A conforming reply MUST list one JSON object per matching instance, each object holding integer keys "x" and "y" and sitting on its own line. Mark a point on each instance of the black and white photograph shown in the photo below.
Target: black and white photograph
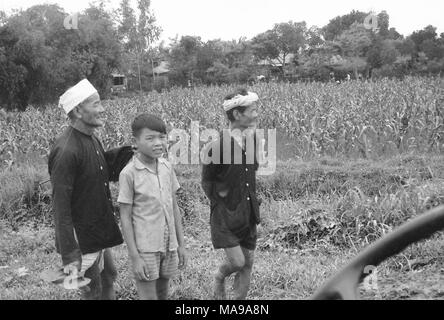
{"x": 239, "y": 152}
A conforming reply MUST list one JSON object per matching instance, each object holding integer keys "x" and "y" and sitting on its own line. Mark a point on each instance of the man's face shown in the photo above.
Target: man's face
{"x": 151, "y": 143}
{"x": 91, "y": 111}
{"x": 248, "y": 119}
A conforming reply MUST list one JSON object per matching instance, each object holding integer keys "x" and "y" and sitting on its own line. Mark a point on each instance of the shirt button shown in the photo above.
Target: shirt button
{"x": 106, "y": 184}
{"x": 247, "y": 184}
{"x": 246, "y": 169}
{"x": 248, "y": 198}
{"x": 97, "y": 152}
{"x": 101, "y": 168}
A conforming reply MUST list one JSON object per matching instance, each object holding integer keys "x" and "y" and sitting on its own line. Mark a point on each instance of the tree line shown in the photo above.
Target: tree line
{"x": 40, "y": 58}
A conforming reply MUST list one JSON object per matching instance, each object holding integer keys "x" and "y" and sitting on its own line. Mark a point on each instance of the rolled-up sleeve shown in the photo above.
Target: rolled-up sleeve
{"x": 62, "y": 170}
{"x": 209, "y": 172}
{"x": 126, "y": 188}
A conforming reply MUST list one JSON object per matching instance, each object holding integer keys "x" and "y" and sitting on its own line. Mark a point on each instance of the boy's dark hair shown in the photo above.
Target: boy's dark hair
{"x": 241, "y": 109}
{"x": 148, "y": 121}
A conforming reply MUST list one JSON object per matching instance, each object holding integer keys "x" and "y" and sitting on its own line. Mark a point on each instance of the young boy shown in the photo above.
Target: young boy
{"x": 151, "y": 221}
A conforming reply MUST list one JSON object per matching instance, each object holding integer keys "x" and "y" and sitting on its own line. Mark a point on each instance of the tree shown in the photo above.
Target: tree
{"x": 138, "y": 35}
{"x": 41, "y": 58}
{"x": 418, "y": 37}
{"x": 340, "y": 24}
{"x": 279, "y": 42}
{"x": 3, "y": 18}
{"x": 383, "y": 24}
{"x": 355, "y": 43}
{"x": 183, "y": 58}
{"x": 433, "y": 49}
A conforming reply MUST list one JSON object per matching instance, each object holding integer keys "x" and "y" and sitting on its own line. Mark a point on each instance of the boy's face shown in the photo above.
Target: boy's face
{"x": 151, "y": 143}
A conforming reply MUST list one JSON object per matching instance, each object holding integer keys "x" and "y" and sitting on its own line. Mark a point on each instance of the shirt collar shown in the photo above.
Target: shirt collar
{"x": 238, "y": 138}
{"x": 140, "y": 165}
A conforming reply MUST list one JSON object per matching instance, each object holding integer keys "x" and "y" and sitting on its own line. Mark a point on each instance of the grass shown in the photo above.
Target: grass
{"x": 316, "y": 216}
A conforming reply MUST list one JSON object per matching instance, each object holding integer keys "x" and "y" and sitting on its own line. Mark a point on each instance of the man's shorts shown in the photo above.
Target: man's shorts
{"x": 89, "y": 259}
{"x": 222, "y": 237}
{"x": 161, "y": 264}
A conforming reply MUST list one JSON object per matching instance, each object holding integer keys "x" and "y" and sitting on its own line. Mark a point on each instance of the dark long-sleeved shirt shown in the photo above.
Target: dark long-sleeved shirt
{"x": 82, "y": 205}
{"x": 238, "y": 180}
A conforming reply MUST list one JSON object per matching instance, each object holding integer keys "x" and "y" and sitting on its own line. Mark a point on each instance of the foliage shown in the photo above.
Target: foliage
{"x": 42, "y": 58}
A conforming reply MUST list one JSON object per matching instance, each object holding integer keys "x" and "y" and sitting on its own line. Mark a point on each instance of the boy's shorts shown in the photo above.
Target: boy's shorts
{"x": 161, "y": 264}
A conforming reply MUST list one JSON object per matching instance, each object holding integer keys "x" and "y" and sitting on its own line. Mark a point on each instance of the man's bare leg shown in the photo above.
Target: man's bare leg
{"x": 234, "y": 261}
{"x": 108, "y": 276}
{"x": 243, "y": 277}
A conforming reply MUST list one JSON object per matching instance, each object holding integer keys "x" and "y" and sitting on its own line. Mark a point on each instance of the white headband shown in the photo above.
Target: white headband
{"x": 240, "y": 101}
{"x": 75, "y": 95}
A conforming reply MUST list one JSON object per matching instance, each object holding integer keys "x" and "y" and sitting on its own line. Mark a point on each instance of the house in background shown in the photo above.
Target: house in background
{"x": 119, "y": 82}
{"x": 160, "y": 73}
{"x": 273, "y": 67}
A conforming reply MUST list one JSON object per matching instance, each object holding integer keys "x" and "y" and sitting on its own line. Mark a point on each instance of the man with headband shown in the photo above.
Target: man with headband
{"x": 80, "y": 170}
{"x": 231, "y": 188}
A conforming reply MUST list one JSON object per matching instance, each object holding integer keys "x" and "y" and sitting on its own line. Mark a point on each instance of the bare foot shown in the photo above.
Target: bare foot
{"x": 236, "y": 281}
{"x": 219, "y": 287}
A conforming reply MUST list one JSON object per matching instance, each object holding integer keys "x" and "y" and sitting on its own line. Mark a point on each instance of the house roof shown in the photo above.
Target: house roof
{"x": 275, "y": 62}
{"x": 161, "y": 68}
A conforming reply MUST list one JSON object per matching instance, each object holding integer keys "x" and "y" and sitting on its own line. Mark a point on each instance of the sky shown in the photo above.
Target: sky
{"x": 232, "y": 19}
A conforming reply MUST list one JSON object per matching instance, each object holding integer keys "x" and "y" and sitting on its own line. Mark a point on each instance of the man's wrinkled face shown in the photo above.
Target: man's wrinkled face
{"x": 248, "y": 119}
{"x": 151, "y": 143}
{"x": 91, "y": 111}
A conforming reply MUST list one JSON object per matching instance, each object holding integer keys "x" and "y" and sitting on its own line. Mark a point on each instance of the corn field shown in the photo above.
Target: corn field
{"x": 356, "y": 119}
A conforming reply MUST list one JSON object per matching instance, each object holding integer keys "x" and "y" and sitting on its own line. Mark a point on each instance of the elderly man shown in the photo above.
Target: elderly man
{"x": 80, "y": 170}
{"x": 231, "y": 187}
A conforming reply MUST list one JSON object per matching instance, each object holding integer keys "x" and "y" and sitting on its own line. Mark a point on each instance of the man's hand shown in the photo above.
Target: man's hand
{"x": 181, "y": 252}
{"x": 223, "y": 193}
{"x": 140, "y": 269}
{"x": 73, "y": 267}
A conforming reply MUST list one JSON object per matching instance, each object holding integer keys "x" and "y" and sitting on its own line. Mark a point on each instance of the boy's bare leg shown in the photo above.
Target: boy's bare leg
{"x": 243, "y": 277}
{"x": 162, "y": 287}
{"x": 146, "y": 289}
{"x": 234, "y": 261}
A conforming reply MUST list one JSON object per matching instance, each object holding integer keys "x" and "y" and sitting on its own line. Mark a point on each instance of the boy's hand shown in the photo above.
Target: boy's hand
{"x": 181, "y": 252}
{"x": 140, "y": 269}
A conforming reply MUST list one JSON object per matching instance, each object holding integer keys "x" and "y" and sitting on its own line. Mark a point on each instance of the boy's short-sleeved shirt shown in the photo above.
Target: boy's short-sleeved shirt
{"x": 151, "y": 197}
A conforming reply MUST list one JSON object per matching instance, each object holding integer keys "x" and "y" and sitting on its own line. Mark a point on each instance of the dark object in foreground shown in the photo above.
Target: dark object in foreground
{"x": 344, "y": 284}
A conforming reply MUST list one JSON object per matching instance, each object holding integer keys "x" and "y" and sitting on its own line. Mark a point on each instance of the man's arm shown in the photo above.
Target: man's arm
{"x": 209, "y": 172}
{"x": 207, "y": 180}
{"x": 62, "y": 170}
{"x": 178, "y": 221}
{"x": 179, "y": 233}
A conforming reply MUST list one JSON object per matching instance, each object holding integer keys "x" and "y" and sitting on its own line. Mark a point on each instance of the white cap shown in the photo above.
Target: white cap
{"x": 75, "y": 95}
